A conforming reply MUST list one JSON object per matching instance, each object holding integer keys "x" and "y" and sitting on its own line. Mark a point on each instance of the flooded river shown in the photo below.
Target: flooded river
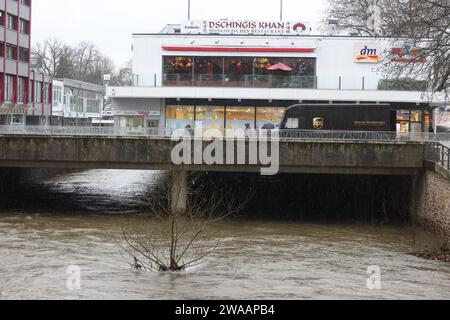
{"x": 78, "y": 223}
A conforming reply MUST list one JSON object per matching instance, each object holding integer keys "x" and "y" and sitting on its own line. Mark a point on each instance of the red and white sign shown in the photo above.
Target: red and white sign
{"x": 246, "y": 27}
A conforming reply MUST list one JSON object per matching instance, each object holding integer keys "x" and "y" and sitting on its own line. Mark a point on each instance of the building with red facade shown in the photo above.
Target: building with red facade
{"x": 25, "y": 94}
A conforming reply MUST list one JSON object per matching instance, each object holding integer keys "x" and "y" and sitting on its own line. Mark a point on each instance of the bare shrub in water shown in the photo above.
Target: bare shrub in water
{"x": 175, "y": 237}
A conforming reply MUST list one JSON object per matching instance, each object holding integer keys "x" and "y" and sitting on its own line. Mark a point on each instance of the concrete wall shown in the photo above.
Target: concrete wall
{"x": 434, "y": 208}
{"x": 84, "y": 152}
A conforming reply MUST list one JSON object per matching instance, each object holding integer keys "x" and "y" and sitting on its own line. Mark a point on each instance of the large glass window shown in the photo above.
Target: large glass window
{"x": 131, "y": 122}
{"x": 238, "y": 72}
{"x": 179, "y": 117}
{"x": 211, "y": 117}
{"x": 270, "y": 72}
{"x": 241, "y": 118}
{"x": 267, "y": 118}
{"x": 178, "y": 71}
{"x": 208, "y": 71}
{"x": 222, "y": 117}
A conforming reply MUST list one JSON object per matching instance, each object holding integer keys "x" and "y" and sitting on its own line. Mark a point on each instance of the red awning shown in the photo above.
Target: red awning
{"x": 239, "y": 49}
{"x": 280, "y": 66}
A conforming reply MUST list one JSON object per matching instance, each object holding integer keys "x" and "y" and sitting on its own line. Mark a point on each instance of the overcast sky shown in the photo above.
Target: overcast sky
{"x": 110, "y": 23}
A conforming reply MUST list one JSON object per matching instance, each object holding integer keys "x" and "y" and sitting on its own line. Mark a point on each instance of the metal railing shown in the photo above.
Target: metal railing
{"x": 283, "y": 134}
{"x": 438, "y": 153}
{"x": 83, "y": 131}
{"x": 322, "y": 82}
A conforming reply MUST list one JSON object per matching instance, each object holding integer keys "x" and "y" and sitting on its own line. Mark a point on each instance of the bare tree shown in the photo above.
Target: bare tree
{"x": 125, "y": 75}
{"x": 54, "y": 58}
{"x": 84, "y": 62}
{"x": 176, "y": 236}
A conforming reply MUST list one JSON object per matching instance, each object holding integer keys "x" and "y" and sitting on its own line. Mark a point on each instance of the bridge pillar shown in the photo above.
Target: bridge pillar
{"x": 179, "y": 196}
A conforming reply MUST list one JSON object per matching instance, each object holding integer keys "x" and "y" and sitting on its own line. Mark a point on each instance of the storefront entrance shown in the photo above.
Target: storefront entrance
{"x": 413, "y": 121}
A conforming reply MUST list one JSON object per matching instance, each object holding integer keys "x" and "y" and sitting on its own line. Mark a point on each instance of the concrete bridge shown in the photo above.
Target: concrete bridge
{"x": 425, "y": 160}
{"x": 154, "y": 153}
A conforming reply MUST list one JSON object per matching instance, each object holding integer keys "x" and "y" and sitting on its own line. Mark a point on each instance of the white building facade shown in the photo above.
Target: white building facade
{"x": 76, "y": 103}
{"x": 230, "y": 74}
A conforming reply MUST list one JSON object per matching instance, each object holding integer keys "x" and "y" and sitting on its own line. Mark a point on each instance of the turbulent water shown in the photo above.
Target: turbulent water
{"x": 76, "y": 219}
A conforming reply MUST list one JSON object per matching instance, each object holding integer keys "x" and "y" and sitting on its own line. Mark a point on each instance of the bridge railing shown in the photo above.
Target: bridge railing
{"x": 84, "y": 131}
{"x": 283, "y": 134}
{"x": 438, "y": 153}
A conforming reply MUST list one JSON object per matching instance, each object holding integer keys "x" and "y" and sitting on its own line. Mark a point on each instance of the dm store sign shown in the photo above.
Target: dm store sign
{"x": 367, "y": 53}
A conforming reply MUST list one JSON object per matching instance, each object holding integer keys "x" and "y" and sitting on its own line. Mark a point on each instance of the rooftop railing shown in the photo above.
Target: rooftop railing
{"x": 283, "y": 134}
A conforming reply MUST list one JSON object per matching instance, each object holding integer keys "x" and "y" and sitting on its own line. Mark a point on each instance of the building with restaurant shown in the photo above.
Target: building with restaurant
{"x": 231, "y": 74}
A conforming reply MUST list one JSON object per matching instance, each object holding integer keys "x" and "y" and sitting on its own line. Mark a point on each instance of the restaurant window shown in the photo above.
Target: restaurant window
{"x": 178, "y": 117}
{"x": 238, "y": 71}
{"x": 239, "y": 117}
{"x": 211, "y": 117}
{"x": 208, "y": 71}
{"x": 178, "y": 70}
{"x": 267, "y": 118}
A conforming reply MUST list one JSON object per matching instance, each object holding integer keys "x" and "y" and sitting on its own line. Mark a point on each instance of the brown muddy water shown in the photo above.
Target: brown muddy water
{"x": 76, "y": 219}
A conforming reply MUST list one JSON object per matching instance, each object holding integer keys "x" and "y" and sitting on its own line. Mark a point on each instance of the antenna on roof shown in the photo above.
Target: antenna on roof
{"x": 281, "y": 10}
{"x": 189, "y": 10}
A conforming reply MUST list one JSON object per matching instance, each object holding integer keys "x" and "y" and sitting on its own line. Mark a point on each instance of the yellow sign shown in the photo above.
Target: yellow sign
{"x": 318, "y": 123}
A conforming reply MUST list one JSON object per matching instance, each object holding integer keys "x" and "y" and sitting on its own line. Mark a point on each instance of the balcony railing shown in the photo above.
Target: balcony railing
{"x": 243, "y": 81}
{"x": 438, "y": 152}
{"x": 278, "y": 81}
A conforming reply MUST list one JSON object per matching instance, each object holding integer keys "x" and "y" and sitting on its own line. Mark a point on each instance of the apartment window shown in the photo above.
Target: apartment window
{"x": 2, "y": 18}
{"x": 12, "y": 22}
{"x": 9, "y": 88}
{"x": 23, "y": 54}
{"x": 22, "y": 89}
{"x": 38, "y": 91}
{"x": 24, "y": 26}
{"x": 2, "y": 49}
{"x": 46, "y": 92}
{"x": 25, "y": 2}
{"x": 11, "y": 52}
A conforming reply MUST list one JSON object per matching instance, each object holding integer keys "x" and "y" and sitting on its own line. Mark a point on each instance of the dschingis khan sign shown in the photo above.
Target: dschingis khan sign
{"x": 246, "y": 27}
